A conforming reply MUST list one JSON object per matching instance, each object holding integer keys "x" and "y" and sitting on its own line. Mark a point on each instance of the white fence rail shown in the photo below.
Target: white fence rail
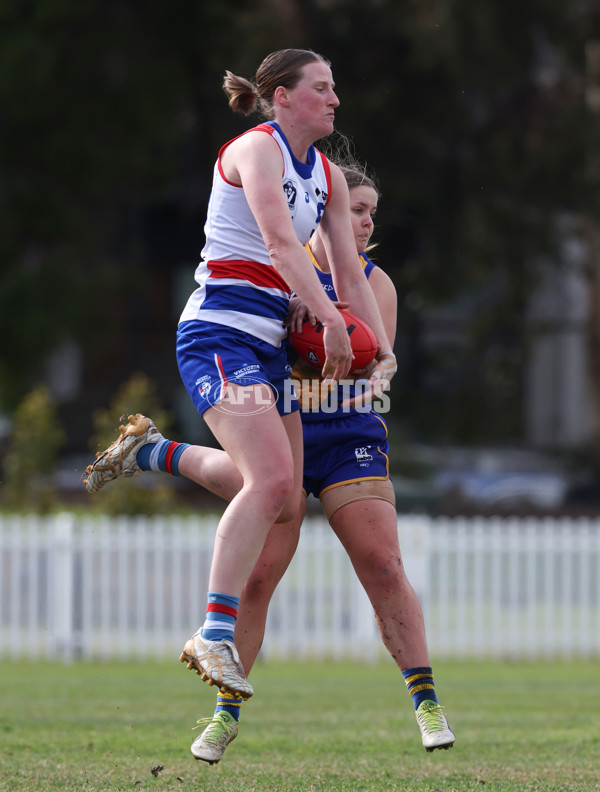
{"x": 113, "y": 588}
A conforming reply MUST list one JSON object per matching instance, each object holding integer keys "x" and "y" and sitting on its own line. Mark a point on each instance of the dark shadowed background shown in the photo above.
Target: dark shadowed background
{"x": 481, "y": 121}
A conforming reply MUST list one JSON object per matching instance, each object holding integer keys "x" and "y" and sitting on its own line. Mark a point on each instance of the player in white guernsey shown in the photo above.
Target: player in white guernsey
{"x": 239, "y": 285}
{"x": 271, "y": 189}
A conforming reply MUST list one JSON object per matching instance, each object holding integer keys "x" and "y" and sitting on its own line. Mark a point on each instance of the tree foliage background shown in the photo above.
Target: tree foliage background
{"x": 480, "y": 120}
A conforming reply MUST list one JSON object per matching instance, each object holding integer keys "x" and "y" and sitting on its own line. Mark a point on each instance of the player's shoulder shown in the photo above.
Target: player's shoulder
{"x": 366, "y": 261}
{"x": 257, "y": 137}
{"x": 336, "y": 173}
{"x": 254, "y": 146}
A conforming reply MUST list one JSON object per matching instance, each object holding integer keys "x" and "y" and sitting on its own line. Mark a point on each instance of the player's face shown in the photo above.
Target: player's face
{"x": 363, "y": 205}
{"x": 314, "y": 100}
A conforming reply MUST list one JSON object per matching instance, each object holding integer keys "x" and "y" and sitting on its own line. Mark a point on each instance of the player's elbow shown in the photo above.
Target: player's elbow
{"x": 349, "y": 287}
{"x": 280, "y": 253}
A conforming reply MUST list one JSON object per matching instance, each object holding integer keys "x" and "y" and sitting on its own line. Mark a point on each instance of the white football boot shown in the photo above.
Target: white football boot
{"x": 210, "y": 746}
{"x": 218, "y": 663}
{"x": 435, "y": 732}
{"x": 119, "y": 459}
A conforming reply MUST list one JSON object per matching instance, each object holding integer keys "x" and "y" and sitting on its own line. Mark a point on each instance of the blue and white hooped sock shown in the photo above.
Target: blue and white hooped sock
{"x": 162, "y": 456}
{"x": 221, "y": 613}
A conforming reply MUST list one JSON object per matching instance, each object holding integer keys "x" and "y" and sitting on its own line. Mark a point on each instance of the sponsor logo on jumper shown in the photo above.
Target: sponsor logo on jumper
{"x": 250, "y": 369}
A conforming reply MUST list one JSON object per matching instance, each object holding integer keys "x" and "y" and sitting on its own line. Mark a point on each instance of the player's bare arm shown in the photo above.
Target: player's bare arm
{"x": 348, "y": 276}
{"x": 387, "y": 301}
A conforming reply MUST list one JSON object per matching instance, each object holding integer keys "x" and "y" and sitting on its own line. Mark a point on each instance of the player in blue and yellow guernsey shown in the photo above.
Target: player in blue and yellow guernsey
{"x": 342, "y": 445}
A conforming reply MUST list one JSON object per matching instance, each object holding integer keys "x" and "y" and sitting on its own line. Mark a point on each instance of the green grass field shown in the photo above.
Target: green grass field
{"x": 315, "y": 728}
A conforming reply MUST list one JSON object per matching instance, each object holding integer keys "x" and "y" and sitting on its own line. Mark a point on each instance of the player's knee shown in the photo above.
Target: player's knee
{"x": 386, "y": 565}
{"x": 384, "y": 572}
{"x": 260, "y": 586}
{"x": 278, "y": 488}
{"x": 282, "y": 489}
{"x": 291, "y": 508}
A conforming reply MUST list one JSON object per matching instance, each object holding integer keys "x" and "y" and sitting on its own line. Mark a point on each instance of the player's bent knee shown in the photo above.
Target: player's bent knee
{"x": 277, "y": 487}
{"x": 289, "y": 510}
{"x": 259, "y": 588}
{"x": 367, "y": 489}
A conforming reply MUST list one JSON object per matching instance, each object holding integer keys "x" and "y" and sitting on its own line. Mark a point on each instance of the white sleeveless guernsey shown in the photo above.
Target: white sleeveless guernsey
{"x": 238, "y": 285}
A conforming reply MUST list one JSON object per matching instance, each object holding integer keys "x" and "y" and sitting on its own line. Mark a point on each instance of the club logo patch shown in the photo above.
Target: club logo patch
{"x": 291, "y": 193}
{"x": 205, "y": 389}
{"x": 362, "y": 454}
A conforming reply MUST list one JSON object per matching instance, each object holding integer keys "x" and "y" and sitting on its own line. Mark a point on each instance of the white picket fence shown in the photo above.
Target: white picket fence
{"x": 97, "y": 587}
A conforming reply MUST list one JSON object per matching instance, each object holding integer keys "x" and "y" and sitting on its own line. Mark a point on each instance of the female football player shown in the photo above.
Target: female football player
{"x": 271, "y": 189}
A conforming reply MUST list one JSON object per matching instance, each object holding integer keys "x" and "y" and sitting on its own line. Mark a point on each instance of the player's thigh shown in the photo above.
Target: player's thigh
{"x": 256, "y": 440}
{"x": 338, "y": 496}
{"x": 368, "y": 530}
{"x": 234, "y": 380}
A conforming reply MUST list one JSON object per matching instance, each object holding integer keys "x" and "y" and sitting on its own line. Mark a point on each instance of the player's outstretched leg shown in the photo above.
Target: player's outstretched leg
{"x": 119, "y": 459}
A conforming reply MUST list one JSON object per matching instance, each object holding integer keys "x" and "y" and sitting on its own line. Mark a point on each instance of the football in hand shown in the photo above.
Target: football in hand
{"x": 309, "y": 343}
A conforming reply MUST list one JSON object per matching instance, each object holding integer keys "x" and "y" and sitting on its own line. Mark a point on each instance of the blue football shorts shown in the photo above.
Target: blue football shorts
{"x": 211, "y": 356}
{"x": 343, "y": 450}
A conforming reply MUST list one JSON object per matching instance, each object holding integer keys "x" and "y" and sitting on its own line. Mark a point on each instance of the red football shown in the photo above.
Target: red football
{"x": 309, "y": 343}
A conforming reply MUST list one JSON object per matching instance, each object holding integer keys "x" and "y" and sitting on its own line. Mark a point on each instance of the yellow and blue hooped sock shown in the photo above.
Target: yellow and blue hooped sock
{"x": 162, "y": 456}
{"x": 419, "y": 682}
{"x": 228, "y": 702}
{"x": 221, "y": 613}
